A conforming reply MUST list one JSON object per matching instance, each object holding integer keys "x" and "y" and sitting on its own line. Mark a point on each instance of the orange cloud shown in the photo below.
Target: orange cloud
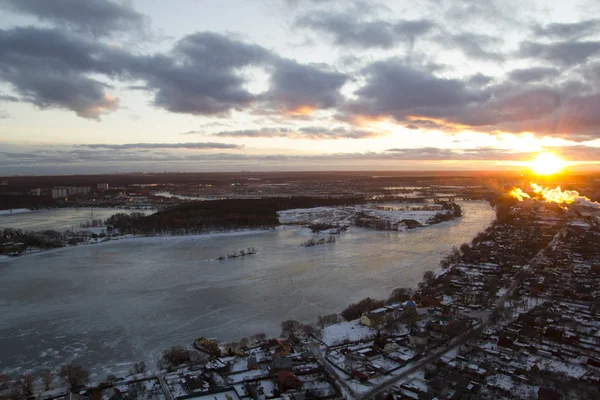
{"x": 300, "y": 111}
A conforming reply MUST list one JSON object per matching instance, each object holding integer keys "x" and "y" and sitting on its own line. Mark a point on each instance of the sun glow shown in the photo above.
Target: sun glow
{"x": 547, "y": 164}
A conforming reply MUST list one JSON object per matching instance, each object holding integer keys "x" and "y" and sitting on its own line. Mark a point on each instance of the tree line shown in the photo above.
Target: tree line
{"x": 227, "y": 214}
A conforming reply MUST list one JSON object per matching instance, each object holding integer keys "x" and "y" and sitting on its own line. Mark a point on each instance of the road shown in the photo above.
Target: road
{"x": 163, "y": 385}
{"x": 331, "y": 369}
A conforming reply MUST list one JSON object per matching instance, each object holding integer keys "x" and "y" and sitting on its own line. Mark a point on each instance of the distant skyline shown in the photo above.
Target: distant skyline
{"x": 101, "y": 86}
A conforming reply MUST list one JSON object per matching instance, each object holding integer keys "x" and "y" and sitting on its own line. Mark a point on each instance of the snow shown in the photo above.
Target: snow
{"x": 14, "y": 211}
{"x": 344, "y": 215}
{"x": 251, "y": 374}
{"x": 352, "y": 330}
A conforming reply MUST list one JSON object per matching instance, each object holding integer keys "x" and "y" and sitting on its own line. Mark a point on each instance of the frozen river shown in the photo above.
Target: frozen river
{"x": 109, "y": 304}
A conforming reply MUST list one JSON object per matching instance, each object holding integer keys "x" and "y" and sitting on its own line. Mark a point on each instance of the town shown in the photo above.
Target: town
{"x": 512, "y": 314}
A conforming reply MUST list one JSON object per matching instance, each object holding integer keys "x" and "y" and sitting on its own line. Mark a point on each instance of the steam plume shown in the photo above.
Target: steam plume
{"x": 555, "y": 196}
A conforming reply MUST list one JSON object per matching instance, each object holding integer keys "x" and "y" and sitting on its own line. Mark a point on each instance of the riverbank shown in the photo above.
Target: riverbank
{"x": 379, "y": 218}
{"x": 12, "y": 211}
{"x": 129, "y": 237}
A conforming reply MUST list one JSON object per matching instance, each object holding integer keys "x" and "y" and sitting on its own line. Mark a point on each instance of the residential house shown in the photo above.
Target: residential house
{"x": 385, "y": 345}
{"x": 419, "y": 338}
{"x": 288, "y": 381}
{"x": 279, "y": 348}
{"x": 374, "y": 319}
{"x": 470, "y": 297}
{"x": 370, "y": 354}
{"x": 547, "y": 394}
{"x": 281, "y": 363}
{"x": 360, "y": 376}
{"x": 252, "y": 363}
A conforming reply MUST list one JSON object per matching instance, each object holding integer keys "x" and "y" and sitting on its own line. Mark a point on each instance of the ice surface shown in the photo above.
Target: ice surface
{"x": 128, "y": 300}
{"x": 14, "y": 211}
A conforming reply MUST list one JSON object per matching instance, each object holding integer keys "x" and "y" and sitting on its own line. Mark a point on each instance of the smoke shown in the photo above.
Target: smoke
{"x": 555, "y": 196}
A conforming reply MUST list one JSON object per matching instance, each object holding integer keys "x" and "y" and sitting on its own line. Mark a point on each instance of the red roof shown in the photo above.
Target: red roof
{"x": 359, "y": 375}
{"x": 547, "y": 394}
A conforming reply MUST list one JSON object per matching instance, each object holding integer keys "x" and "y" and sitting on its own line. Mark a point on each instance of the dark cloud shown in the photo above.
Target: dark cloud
{"x": 575, "y": 30}
{"x": 534, "y": 74}
{"x": 311, "y": 133}
{"x": 436, "y": 153}
{"x": 578, "y": 153}
{"x": 567, "y": 53}
{"x": 97, "y": 17}
{"x": 201, "y": 75}
{"x": 494, "y": 12}
{"x": 8, "y": 99}
{"x": 395, "y": 89}
{"x": 301, "y": 88}
{"x": 476, "y": 46}
{"x": 418, "y": 98}
{"x": 347, "y": 30}
{"x": 591, "y": 72}
{"x": 195, "y": 146}
{"x": 48, "y": 68}
{"x": 479, "y": 80}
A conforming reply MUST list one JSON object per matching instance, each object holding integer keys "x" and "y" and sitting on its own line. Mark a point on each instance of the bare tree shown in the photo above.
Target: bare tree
{"x": 16, "y": 391}
{"x": 26, "y": 381}
{"x": 308, "y": 330}
{"x": 428, "y": 277}
{"x": 137, "y": 390}
{"x": 75, "y": 375}
{"x": 260, "y": 337}
{"x": 47, "y": 378}
{"x": 290, "y": 328}
{"x": 175, "y": 356}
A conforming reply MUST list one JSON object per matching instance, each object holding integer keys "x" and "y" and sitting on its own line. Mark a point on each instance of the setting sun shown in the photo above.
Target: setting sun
{"x": 547, "y": 164}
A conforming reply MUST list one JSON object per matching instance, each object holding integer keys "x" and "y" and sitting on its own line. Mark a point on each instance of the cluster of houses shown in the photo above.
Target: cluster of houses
{"x": 545, "y": 344}
{"x": 275, "y": 369}
{"x": 271, "y": 369}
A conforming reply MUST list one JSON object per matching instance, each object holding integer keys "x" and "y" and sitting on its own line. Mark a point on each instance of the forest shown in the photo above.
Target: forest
{"x": 221, "y": 215}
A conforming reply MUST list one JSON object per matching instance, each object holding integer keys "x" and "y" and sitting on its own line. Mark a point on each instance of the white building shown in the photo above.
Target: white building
{"x": 58, "y": 192}
{"x": 64, "y": 191}
{"x": 102, "y": 186}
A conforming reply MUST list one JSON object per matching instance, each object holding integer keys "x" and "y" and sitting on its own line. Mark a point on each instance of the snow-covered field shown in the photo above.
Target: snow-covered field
{"x": 351, "y": 330}
{"x": 344, "y": 215}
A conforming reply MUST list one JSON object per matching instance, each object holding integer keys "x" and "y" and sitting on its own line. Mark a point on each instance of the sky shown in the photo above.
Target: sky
{"x": 102, "y": 86}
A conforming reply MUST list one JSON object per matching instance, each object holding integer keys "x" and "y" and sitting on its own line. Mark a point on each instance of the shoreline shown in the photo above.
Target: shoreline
{"x": 284, "y": 225}
{"x": 4, "y": 258}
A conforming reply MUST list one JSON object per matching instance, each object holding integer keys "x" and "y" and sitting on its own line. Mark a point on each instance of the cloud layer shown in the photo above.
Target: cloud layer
{"x": 439, "y": 66}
